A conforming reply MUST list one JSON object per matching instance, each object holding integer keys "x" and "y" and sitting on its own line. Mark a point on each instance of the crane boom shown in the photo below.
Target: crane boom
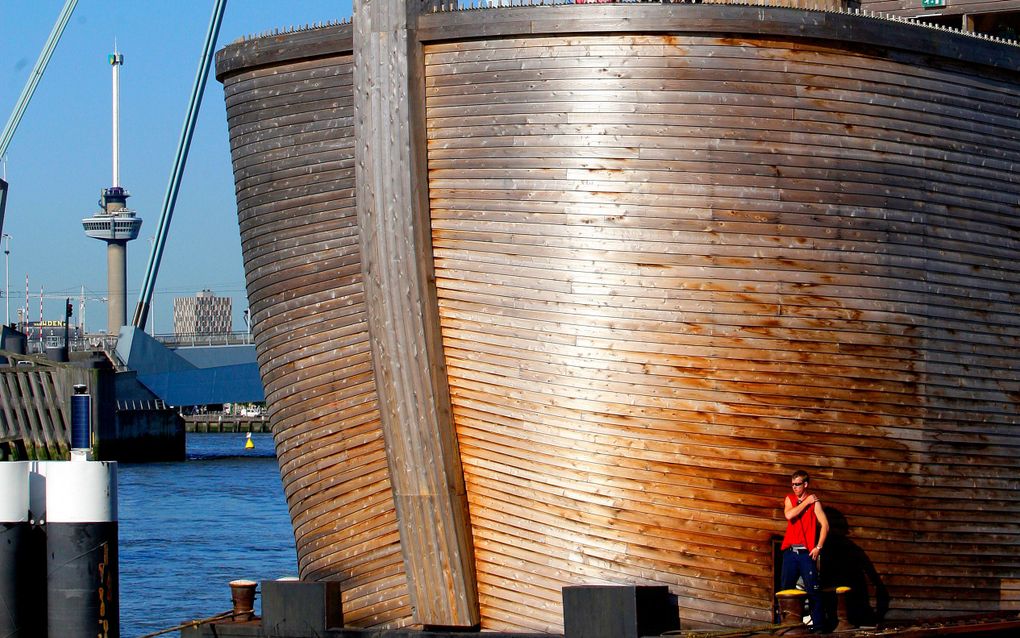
{"x": 29, "y": 90}
{"x": 141, "y": 315}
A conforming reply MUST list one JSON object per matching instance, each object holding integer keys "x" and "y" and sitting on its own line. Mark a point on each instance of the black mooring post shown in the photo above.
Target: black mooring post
{"x": 19, "y": 560}
{"x": 82, "y": 587}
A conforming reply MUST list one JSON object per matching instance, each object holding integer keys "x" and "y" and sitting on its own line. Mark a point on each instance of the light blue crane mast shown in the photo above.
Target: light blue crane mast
{"x": 141, "y": 315}
{"x": 29, "y": 90}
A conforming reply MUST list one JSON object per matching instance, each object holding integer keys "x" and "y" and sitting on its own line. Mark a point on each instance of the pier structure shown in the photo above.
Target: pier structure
{"x": 115, "y": 223}
{"x": 219, "y": 423}
{"x": 136, "y": 407}
{"x": 129, "y": 422}
{"x": 559, "y": 295}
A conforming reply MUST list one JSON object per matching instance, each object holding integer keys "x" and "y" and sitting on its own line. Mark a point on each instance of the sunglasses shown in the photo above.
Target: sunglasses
{"x": 799, "y": 484}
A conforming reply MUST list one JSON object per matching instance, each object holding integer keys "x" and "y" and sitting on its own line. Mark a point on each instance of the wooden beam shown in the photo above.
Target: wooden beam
{"x": 393, "y": 218}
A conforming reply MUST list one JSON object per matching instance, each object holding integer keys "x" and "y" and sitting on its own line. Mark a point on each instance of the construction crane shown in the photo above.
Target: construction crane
{"x": 170, "y": 198}
{"x": 82, "y": 298}
{"x": 28, "y": 91}
{"x": 141, "y": 315}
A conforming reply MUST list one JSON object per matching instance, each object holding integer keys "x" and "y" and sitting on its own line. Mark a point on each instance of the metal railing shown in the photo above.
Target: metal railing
{"x": 108, "y": 342}
{"x": 194, "y": 340}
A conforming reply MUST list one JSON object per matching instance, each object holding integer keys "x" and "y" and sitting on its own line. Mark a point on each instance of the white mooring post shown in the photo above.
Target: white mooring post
{"x": 81, "y": 549}
{"x": 16, "y": 558}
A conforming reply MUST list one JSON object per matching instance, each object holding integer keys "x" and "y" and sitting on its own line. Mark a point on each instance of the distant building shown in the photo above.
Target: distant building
{"x": 203, "y": 314}
{"x": 48, "y": 334}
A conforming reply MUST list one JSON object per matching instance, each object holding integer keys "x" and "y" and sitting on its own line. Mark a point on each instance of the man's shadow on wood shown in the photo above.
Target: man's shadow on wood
{"x": 845, "y": 564}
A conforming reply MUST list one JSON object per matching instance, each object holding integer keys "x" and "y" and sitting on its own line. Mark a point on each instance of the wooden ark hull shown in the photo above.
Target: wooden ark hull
{"x": 670, "y": 253}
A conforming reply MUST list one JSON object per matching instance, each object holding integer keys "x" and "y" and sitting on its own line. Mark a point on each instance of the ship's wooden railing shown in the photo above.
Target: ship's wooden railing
{"x": 831, "y": 5}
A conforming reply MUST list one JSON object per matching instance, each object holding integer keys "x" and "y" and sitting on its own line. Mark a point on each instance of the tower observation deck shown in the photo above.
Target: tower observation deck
{"x": 114, "y": 223}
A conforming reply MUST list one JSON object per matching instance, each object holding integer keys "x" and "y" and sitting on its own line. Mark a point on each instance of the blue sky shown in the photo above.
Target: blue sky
{"x": 60, "y": 157}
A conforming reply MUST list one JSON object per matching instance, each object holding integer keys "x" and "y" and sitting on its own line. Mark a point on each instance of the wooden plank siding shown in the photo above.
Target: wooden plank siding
{"x": 678, "y": 251}
{"x": 291, "y": 122}
{"x": 672, "y": 269}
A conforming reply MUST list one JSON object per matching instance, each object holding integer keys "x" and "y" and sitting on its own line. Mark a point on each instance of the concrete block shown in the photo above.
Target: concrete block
{"x": 618, "y": 611}
{"x": 297, "y": 609}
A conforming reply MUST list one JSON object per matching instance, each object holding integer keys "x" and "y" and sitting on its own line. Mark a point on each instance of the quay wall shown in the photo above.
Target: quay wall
{"x": 215, "y": 423}
{"x": 674, "y": 252}
{"x": 35, "y": 408}
{"x": 128, "y": 423}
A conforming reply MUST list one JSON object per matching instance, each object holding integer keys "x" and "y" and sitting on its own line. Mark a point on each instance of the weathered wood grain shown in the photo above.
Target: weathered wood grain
{"x": 678, "y": 251}
{"x": 667, "y": 282}
{"x": 421, "y": 445}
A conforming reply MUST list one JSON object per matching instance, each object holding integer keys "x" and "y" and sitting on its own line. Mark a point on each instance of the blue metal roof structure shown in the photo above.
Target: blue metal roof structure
{"x": 192, "y": 376}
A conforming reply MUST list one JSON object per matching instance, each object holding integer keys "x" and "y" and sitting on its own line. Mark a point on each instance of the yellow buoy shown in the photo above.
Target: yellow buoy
{"x": 249, "y": 444}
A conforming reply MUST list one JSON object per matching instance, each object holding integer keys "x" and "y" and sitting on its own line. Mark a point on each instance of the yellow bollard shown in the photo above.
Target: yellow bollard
{"x": 791, "y": 611}
{"x": 844, "y": 624}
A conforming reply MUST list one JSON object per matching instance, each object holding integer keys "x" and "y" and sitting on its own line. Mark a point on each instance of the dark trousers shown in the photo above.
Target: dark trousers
{"x": 799, "y": 564}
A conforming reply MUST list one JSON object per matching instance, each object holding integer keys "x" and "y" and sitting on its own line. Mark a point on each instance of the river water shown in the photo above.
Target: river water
{"x": 188, "y": 528}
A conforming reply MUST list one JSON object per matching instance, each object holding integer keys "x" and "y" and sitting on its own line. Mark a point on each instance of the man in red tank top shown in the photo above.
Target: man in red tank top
{"x": 806, "y": 529}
